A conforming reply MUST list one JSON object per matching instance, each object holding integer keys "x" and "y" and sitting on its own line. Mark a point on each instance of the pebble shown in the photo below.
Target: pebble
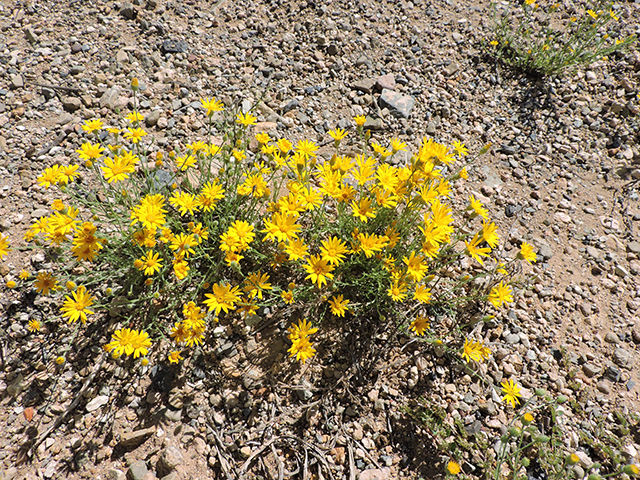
{"x": 98, "y": 402}
{"x": 622, "y": 357}
{"x": 138, "y": 470}
{"x": 169, "y": 459}
{"x": 375, "y": 474}
{"x": 399, "y": 105}
{"x": 136, "y": 437}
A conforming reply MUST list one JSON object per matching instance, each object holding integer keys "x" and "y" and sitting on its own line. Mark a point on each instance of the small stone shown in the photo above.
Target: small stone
{"x": 431, "y": 128}
{"x": 31, "y": 35}
{"x": 633, "y": 247}
{"x": 110, "y": 98}
{"x": 174, "y": 46}
{"x": 245, "y": 452}
{"x": 97, "y": 403}
{"x": 604, "y": 386}
{"x": 136, "y": 437}
{"x": 611, "y": 337}
{"x": 562, "y": 217}
{"x": 128, "y": 11}
{"x": 622, "y": 357}
{"x": 115, "y": 474}
{"x": 513, "y": 338}
{"x": 590, "y": 370}
{"x": 398, "y": 104}
{"x": 387, "y": 81}
{"x": 17, "y": 81}
{"x": 376, "y": 474}
{"x": 137, "y": 470}
{"x": 122, "y": 56}
{"x": 152, "y": 118}
{"x": 365, "y": 85}
{"x": 169, "y": 459}
{"x": 452, "y": 68}
{"x": 71, "y": 104}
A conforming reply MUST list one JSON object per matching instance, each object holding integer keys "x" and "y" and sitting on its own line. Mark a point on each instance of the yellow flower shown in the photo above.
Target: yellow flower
{"x": 245, "y": 119}
{"x": 303, "y": 329}
{"x": 180, "y": 269}
{"x": 420, "y": 325}
{"x": 34, "y": 325}
{"x": 527, "y": 253}
{"x": 134, "y": 117}
{"x": 416, "y": 266}
{"x": 150, "y": 212}
{"x": 210, "y": 194}
{"x": 117, "y": 169}
{"x": 318, "y": 269}
{"x": 613, "y": 15}
{"x": 337, "y": 134}
{"x": 256, "y": 283}
{"x": 185, "y": 162}
{"x": 24, "y": 275}
{"x": 211, "y": 105}
{"x": 287, "y": 296}
{"x": 4, "y": 246}
{"x": 338, "y": 305}
{"x": 475, "y": 251}
{"x": 593, "y": 14}
{"x": 296, "y": 249}
{"x": 397, "y": 291}
{"x": 474, "y": 350}
{"x": 363, "y": 210}
{"x": 11, "y": 284}
{"x": 306, "y": 148}
{"x": 224, "y": 298}
{"x": 284, "y": 145}
{"x": 489, "y": 234}
{"x": 45, "y": 282}
{"x": 422, "y": 294}
{"x": 135, "y": 134}
{"x": 302, "y": 349}
{"x": 150, "y": 263}
{"x": 184, "y": 202}
{"x": 70, "y": 285}
{"x": 459, "y": 148}
{"x": 453, "y": 468}
{"x": 333, "y": 250}
{"x": 51, "y": 176}
{"x": 92, "y": 125}
{"x": 174, "y": 357}
{"x": 500, "y": 294}
{"x": 281, "y": 227}
{"x": 60, "y": 360}
{"x": 77, "y": 307}
{"x": 89, "y": 151}
{"x": 511, "y": 391}
{"x": 397, "y": 145}
{"x": 493, "y": 43}
{"x": 360, "y": 120}
{"x": 477, "y": 208}
{"x": 127, "y": 341}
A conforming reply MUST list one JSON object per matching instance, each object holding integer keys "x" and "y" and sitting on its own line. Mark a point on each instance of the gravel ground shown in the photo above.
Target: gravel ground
{"x": 562, "y": 174}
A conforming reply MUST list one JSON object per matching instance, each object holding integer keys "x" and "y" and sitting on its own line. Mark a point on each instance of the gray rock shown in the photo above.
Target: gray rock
{"x": 604, "y": 386}
{"x": 513, "y": 338}
{"x": 110, "y": 98}
{"x": 71, "y": 104}
{"x": 365, "y": 85}
{"x": 137, "y": 470}
{"x": 376, "y": 474}
{"x": 633, "y": 247}
{"x": 398, "y": 104}
{"x": 431, "y": 128}
{"x": 169, "y": 459}
{"x": 115, "y": 474}
{"x": 122, "y": 56}
{"x": 31, "y": 35}
{"x": 128, "y": 11}
{"x": 152, "y": 118}
{"x": 373, "y": 123}
{"x": 174, "y": 46}
{"x": 137, "y": 437}
{"x": 387, "y": 81}
{"x": 622, "y": 357}
{"x": 452, "y": 68}
{"x": 98, "y": 402}
{"x": 64, "y": 118}
{"x": 173, "y": 415}
{"x": 590, "y": 370}
{"x": 17, "y": 81}
{"x": 611, "y": 337}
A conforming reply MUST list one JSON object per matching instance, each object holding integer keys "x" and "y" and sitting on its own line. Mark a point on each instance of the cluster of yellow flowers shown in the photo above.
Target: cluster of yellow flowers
{"x": 323, "y": 221}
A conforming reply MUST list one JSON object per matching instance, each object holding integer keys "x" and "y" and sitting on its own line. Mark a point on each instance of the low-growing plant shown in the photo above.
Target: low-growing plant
{"x": 166, "y": 242}
{"x": 555, "y": 39}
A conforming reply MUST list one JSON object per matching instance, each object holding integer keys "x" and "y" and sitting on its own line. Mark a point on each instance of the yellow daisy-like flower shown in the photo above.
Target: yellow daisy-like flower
{"x": 92, "y": 125}
{"x": 117, "y": 169}
{"x": 500, "y": 294}
{"x": 150, "y": 263}
{"x": 420, "y": 325}
{"x": 185, "y": 162}
{"x": 333, "y": 250}
{"x": 453, "y": 468}
{"x": 478, "y": 208}
{"x": 174, "y": 357}
{"x": 134, "y": 117}
{"x": 459, "y": 148}
{"x": 306, "y": 149}
{"x": 24, "y": 275}
{"x": 302, "y": 349}
{"x": 511, "y": 391}
{"x": 88, "y": 151}
{"x": 474, "y": 350}
{"x": 224, "y": 298}
{"x": 135, "y": 134}
{"x": 526, "y": 253}
{"x": 363, "y": 210}
{"x": 287, "y": 296}
{"x": 45, "y": 282}
{"x": 339, "y": 305}
{"x": 51, "y": 176}
{"x": 360, "y": 120}
{"x": 319, "y": 270}
{"x": 246, "y": 119}
{"x": 34, "y": 326}
{"x": 397, "y": 291}
{"x": 296, "y": 249}
{"x": 211, "y": 105}
{"x": 11, "y": 284}
{"x": 256, "y": 283}
{"x": 476, "y": 252}
{"x": 338, "y": 134}
{"x": 77, "y": 307}
{"x": 4, "y": 246}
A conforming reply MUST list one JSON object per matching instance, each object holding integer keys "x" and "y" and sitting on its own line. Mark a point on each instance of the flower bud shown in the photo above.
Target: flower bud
{"x": 541, "y": 392}
{"x": 631, "y": 470}
{"x": 572, "y": 459}
{"x": 527, "y": 418}
{"x": 542, "y": 439}
{"x": 594, "y": 476}
{"x": 135, "y": 84}
{"x": 515, "y": 431}
{"x": 525, "y": 462}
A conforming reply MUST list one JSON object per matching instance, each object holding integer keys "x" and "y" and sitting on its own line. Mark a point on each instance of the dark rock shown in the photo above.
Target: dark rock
{"x": 128, "y": 11}
{"x": 174, "y": 46}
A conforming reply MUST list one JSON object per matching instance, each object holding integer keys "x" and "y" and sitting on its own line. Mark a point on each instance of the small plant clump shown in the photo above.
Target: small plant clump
{"x": 555, "y": 39}
{"x": 168, "y": 242}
